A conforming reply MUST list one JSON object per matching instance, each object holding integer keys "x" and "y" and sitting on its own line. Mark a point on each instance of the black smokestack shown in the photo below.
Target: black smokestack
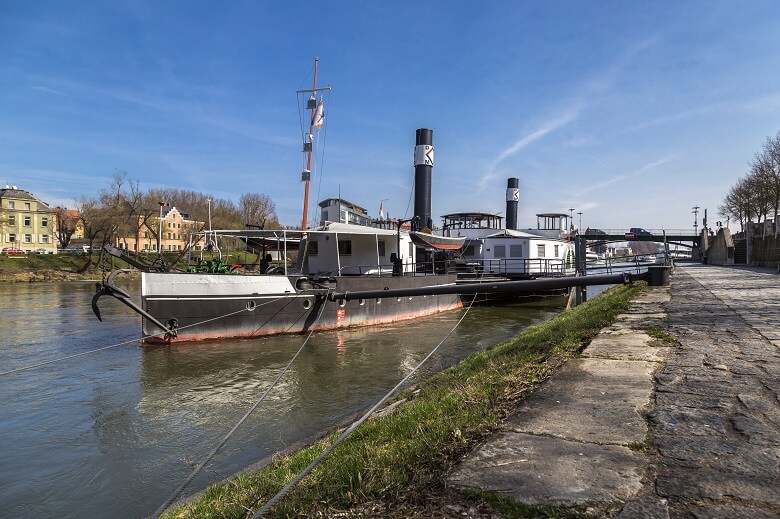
{"x": 512, "y": 198}
{"x": 423, "y": 164}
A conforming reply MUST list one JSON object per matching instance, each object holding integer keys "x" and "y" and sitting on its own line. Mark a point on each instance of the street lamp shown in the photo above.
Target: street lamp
{"x": 571, "y": 218}
{"x": 580, "y": 225}
{"x": 159, "y": 234}
{"x": 695, "y": 219}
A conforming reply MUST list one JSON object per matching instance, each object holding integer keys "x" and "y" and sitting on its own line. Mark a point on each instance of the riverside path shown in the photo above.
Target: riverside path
{"x": 641, "y": 427}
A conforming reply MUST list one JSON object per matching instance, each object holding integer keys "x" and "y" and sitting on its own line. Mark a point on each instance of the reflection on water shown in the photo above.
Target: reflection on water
{"x": 120, "y": 429}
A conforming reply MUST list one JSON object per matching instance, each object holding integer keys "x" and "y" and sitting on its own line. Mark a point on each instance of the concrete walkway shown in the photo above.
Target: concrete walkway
{"x": 636, "y": 428}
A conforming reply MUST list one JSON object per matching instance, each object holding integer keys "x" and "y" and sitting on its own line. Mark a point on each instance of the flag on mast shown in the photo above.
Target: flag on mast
{"x": 319, "y": 115}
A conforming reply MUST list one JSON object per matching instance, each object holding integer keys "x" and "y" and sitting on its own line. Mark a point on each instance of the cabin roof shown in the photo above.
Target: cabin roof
{"x": 471, "y": 215}
{"x": 348, "y": 228}
{"x": 511, "y": 233}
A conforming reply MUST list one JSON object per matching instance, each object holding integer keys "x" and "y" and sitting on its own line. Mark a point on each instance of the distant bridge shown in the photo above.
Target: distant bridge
{"x": 674, "y": 236}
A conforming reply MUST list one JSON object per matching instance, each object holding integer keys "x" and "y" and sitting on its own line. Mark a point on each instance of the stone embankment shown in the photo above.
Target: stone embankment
{"x": 674, "y": 411}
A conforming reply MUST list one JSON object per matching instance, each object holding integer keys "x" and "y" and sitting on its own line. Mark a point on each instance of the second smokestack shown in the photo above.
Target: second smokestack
{"x": 512, "y": 199}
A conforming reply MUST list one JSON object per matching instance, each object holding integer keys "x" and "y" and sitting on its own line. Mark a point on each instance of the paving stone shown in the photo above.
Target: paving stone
{"x": 648, "y": 507}
{"x": 540, "y": 470}
{"x": 593, "y": 400}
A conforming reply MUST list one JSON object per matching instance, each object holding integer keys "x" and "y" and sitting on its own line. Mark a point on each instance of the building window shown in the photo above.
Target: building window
{"x": 11, "y": 204}
{"x": 27, "y": 206}
{"x": 12, "y": 237}
{"x": 556, "y": 251}
{"x": 44, "y": 222}
{"x": 11, "y": 219}
{"x": 345, "y": 247}
{"x": 28, "y": 238}
{"x": 27, "y": 221}
{"x": 515, "y": 251}
{"x": 44, "y": 238}
{"x": 381, "y": 248}
{"x": 540, "y": 250}
{"x": 499, "y": 251}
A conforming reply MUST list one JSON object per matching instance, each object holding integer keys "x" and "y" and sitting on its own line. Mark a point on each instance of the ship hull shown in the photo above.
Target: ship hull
{"x": 214, "y": 306}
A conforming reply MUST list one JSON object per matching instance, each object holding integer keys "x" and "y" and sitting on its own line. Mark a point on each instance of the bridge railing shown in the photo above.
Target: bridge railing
{"x": 655, "y": 232}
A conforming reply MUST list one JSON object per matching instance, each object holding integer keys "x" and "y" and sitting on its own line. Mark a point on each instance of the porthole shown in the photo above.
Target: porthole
{"x": 306, "y": 304}
{"x": 250, "y": 305}
{"x": 342, "y": 303}
{"x": 378, "y": 300}
{"x": 362, "y": 302}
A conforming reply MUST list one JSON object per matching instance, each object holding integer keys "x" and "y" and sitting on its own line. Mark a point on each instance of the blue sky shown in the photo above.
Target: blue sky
{"x": 631, "y": 113}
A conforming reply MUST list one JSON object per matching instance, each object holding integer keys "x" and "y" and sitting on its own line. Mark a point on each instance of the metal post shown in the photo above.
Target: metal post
{"x": 159, "y": 235}
{"x": 580, "y": 246}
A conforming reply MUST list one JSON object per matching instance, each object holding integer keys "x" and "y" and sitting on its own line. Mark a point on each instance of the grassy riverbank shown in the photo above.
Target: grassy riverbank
{"x": 395, "y": 464}
{"x": 77, "y": 266}
{"x": 48, "y": 267}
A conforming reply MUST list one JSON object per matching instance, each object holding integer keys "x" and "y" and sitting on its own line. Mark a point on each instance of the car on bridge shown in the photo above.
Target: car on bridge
{"x": 638, "y": 231}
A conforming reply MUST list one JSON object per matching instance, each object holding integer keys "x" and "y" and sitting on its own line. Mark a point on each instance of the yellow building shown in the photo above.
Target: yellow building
{"x": 25, "y": 222}
{"x": 176, "y": 229}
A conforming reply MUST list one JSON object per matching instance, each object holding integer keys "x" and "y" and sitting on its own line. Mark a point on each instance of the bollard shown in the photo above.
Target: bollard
{"x": 659, "y": 275}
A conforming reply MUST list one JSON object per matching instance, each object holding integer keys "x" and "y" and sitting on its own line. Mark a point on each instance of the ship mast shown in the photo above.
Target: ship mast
{"x": 307, "y": 172}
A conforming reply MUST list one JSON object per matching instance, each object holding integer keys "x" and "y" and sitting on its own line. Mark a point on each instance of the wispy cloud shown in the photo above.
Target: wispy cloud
{"x": 47, "y": 90}
{"x": 602, "y": 82}
{"x": 626, "y": 176}
{"x": 522, "y": 143}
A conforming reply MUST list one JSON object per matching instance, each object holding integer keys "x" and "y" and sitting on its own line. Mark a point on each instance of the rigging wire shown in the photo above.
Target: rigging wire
{"x": 411, "y": 193}
{"x": 324, "y": 142}
{"x": 176, "y": 493}
{"x": 143, "y": 337}
{"x": 303, "y": 473}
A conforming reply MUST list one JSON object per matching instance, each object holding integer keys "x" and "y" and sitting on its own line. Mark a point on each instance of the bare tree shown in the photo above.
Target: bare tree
{"x": 771, "y": 157}
{"x": 66, "y": 224}
{"x": 258, "y": 211}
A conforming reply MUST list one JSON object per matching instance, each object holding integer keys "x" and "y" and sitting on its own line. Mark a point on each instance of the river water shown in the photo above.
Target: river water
{"x": 115, "y": 432}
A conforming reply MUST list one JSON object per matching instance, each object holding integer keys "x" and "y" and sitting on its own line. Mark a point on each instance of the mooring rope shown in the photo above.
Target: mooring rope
{"x": 143, "y": 337}
{"x": 176, "y": 493}
{"x": 303, "y": 473}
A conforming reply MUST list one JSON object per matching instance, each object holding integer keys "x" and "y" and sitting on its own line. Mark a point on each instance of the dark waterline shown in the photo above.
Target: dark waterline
{"x": 117, "y": 431}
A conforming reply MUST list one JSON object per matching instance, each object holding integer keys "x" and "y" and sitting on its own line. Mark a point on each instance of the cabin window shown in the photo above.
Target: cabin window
{"x": 515, "y": 251}
{"x": 312, "y": 248}
{"x": 469, "y": 250}
{"x": 556, "y": 250}
{"x": 540, "y": 250}
{"x": 345, "y": 247}
{"x": 499, "y": 251}
{"x": 380, "y": 246}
